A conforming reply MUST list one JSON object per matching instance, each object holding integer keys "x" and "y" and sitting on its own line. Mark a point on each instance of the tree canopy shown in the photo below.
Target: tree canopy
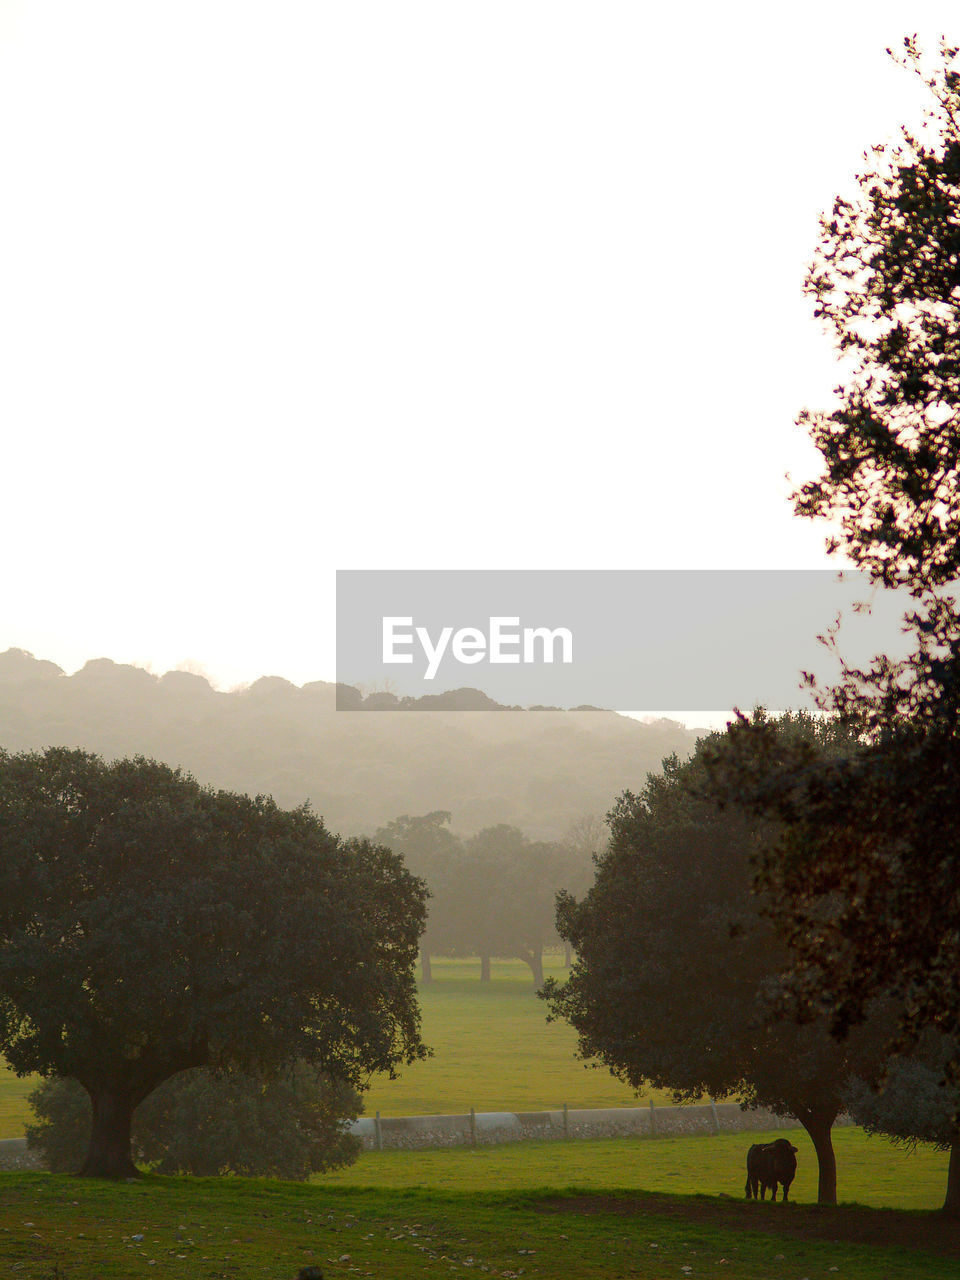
{"x": 866, "y": 882}
{"x": 886, "y": 282}
{"x": 677, "y": 966}
{"x": 434, "y": 853}
{"x": 491, "y": 894}
{"x": 149, "y": 925}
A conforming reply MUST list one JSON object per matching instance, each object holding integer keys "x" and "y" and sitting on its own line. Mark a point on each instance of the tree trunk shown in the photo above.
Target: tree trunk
{"x": 819, "y": 1125}
{"x": 425, "y": 962}
{"x": 534, "y": 961}
{"x": 567, "y": 955}
{"x": 484, "y": 968}
{"x": 109, "y": 1154}
{"x": 951, "y": 1205}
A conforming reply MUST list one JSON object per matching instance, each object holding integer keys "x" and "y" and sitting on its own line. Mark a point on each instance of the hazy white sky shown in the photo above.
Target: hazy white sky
{"x": 289, "y": 287}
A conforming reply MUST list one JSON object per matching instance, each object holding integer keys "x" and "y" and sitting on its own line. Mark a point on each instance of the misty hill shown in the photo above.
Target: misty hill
{"x": 536, "y": 769}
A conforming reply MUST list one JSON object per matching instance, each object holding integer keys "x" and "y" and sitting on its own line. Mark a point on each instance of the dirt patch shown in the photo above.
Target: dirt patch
{"x": 886, "y": 1228}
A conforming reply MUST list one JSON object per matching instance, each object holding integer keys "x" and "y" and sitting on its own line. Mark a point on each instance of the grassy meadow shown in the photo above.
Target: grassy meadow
{"x": 13, "y": 1102}
{"x": 625, "y": 1207}
{"x": 494, "y": 1050}
{"x": 61, "y": 1228}
{"x": 870, "y": 1171}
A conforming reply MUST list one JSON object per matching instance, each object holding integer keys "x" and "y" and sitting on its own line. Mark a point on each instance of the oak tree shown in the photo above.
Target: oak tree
{"x": 678, "y": 968}
{"x": 149, "y": 925}
{"x": 433, "y": 853}
{"x": 867, "y": 881}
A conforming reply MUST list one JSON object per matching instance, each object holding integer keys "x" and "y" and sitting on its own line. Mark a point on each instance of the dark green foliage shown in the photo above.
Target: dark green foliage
{"x": 885, "y": 282}
{"x": 60, "y": 1132}
{"x": 678, "y": 968}
{"x": 149, "y": 925}
{"x": 866, "y": 884}
{"x": 865, "y": 880}
{"x": 915, "y": 1103}
{"x": 202, "y": 1123}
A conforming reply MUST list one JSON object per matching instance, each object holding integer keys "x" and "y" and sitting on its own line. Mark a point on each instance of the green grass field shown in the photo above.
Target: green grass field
{"x": 61, "y": 1228}
{"x": 13, "y": 1102}
{"x": 493, "y": 1050}
{"x": 641, "y": 1208}
{"x": 870, "y": 1171}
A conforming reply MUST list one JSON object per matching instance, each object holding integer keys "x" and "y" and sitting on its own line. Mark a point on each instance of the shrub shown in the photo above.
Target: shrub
{"x": 205, "y": 1123}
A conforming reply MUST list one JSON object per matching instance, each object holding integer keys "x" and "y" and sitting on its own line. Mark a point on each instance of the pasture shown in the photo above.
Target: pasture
{"x": 626, "y": 1207}
{"x": 494, "y": 1050}
{"x": 61, "y": 1228}
{"x": 870, "y": 1171}
{"x": 14, "y": 1111}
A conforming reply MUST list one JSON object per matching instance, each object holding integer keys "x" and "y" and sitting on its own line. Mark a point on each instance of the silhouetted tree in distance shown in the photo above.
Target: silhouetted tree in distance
{"x": 507, "y": 891}
{"x": 434, "y": 853}
{"x": 491, "y": 895}
{"x": 586, "y": 838}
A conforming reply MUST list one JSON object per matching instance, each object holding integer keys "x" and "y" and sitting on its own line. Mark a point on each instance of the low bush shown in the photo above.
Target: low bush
{"x": 205, "y": 1123}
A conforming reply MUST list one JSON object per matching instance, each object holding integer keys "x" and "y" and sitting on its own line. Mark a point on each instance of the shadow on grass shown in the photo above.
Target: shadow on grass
{"x": 850, "y": 1223}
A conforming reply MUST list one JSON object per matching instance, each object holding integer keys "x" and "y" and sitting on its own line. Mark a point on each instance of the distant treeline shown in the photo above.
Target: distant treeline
{"x": 352, "y": 699}
{"x": 537, "y": 770}
{"x": 493, "y": 895}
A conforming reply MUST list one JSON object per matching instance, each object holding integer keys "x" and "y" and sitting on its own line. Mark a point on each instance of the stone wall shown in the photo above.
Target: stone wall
{"x": 14, "y": 1155}
{"x": 482, "y": 1128}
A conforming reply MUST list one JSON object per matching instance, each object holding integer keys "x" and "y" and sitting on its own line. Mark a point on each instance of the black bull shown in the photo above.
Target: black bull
{"x": 767, "y": 1164}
